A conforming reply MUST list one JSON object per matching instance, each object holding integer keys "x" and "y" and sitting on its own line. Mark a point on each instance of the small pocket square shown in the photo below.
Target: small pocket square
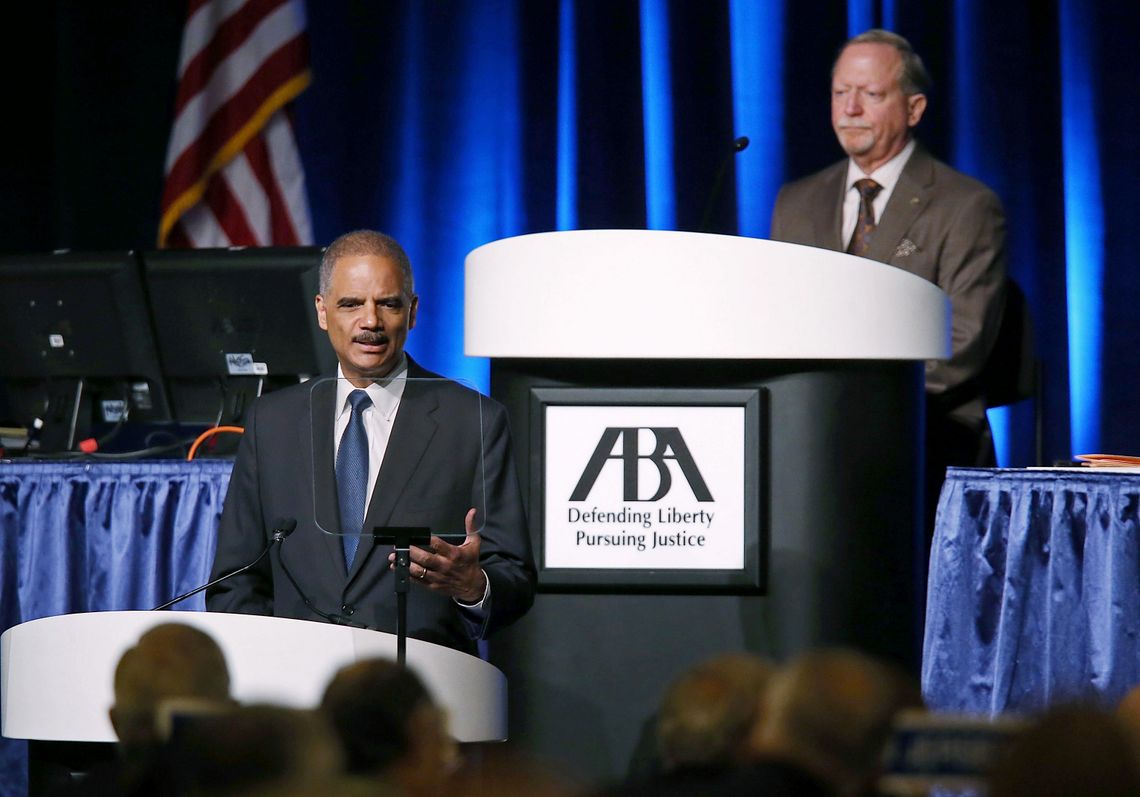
{"x": 906, "y": 247}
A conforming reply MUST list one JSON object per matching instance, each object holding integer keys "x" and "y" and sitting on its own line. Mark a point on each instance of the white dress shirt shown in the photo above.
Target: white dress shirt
{"x": 886, "y": 175}
{"x": 378, "y": 418}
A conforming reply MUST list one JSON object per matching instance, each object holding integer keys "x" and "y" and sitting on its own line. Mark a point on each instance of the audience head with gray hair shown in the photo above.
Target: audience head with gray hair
{"x": 828, "y": 716}
{"x": 701, "y": 728}
{"x": 169, "y": 662}
{"x": 1128, "y": 709}
{"x": 1070, "y": 751}
{"x": 707, "y": 714}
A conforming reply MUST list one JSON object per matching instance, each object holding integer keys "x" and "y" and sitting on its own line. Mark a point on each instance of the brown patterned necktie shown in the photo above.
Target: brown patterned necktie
{"x": 865, "y": 225}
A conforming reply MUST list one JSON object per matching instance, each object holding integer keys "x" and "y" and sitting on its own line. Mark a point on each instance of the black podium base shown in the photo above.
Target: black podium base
{"x": 53, "y": 765}
{"x": 842, "y": 512}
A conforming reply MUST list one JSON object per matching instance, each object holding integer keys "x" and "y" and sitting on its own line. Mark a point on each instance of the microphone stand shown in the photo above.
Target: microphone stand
{"x": 402, "y": 538}
{"x": 281, "y": 529}
{"x": 738, "y": 145}
{"x": 335, "y": 619}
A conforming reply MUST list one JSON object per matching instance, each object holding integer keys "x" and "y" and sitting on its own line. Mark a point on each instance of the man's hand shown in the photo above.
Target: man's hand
{"x": 451, "y": 569}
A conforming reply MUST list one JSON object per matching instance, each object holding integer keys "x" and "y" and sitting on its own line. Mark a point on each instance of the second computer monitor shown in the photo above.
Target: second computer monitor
{"x": 232, "y": 323}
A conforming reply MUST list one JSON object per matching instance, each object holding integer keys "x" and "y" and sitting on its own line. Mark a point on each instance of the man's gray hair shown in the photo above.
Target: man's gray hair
{"x": 913, "y": 78}
{"x": 365, "y": 243}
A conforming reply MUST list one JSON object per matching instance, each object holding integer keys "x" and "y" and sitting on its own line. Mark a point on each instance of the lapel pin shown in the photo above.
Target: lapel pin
{"x": 906, "y": 247}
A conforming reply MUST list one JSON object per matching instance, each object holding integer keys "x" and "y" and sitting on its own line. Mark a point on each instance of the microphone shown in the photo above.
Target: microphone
{"x": 738, "y": 145}
{"x": 335, "y": 619}
{"x": 282, "y": 528}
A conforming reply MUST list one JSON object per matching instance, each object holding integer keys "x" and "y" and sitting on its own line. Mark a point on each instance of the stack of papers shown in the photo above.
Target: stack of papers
{"x": 1114, "y": 461}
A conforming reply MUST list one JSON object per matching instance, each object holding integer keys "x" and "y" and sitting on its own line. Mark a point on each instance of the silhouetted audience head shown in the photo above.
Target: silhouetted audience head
{"x": 1128, "y": 709}
{"x": 708, "y": 713}
{"x": 389, "y": 725}
{"x": 1069, "y": 751}
{"x": 170, "y": 661}
{"x": 235, "y": 751}
{"x": 829, "y": 713}
{"x": 336, "y": 786}
{"x": 500, "y": 771}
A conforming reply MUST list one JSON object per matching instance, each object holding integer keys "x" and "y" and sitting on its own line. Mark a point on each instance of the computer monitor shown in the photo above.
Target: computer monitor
{"x": 234, "y": 323}
{"x": 76, "y": 347}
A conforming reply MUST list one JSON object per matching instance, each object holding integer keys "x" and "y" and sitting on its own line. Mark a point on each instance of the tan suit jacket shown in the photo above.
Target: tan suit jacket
{"x": 940, "y": 225}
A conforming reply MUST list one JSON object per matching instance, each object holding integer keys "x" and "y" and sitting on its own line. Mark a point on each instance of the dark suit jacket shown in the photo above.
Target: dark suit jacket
{"x": 938, "y": 224}
{"x": 430, "y": 476}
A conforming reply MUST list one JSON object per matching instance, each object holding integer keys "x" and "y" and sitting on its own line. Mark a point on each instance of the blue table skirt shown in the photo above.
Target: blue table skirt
{"x": 1034, "y": 590}
{"x": 78, "y": 537}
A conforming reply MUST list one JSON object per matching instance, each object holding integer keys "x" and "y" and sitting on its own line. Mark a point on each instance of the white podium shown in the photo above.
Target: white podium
{"x": 833, "y": 348}
{"x": 58, "y": 672}
{"x": 616, "y": 294}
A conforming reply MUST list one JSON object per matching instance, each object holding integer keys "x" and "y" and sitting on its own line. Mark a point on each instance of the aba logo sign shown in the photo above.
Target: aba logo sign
{"x": 644, "y": 486}
{"x": 619, "y": 443}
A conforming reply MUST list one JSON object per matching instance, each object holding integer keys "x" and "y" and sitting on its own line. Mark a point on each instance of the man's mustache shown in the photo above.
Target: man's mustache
{"x": 371, "y": 338}
{"x": 854, "y": 123}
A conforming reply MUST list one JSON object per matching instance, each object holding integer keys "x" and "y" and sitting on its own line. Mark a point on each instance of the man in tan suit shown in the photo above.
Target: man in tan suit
{"x": 891, "y": 201}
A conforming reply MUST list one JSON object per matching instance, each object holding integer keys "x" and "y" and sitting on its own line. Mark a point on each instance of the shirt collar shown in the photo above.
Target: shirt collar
{"x": 385, "y": 392}
{"x": 886, "y": 175}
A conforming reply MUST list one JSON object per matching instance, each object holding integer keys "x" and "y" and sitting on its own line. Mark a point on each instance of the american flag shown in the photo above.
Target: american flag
{"x": 233, "y": 173}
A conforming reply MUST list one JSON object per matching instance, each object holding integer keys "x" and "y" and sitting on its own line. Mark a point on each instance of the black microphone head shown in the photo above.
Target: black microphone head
{"x": 741, "y": 144}
{"x": 284, "y": 526}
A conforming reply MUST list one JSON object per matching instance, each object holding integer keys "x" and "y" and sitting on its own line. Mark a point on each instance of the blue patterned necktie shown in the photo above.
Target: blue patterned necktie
{"x": 865, "y": 225}
{"x": 352, "y": 476}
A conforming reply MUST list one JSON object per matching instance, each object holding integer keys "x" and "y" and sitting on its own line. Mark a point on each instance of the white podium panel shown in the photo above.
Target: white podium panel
{"x": 58, "y": 672}
{"x": 683, "y": 295}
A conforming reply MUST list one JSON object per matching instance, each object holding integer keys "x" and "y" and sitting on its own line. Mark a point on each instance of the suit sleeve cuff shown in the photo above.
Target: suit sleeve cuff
{"x": 478, "y": 607}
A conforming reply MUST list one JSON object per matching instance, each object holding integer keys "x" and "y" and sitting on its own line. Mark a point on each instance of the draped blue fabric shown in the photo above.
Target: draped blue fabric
{"x": 1034, "y": 591}
{"x": 79, "y": 537}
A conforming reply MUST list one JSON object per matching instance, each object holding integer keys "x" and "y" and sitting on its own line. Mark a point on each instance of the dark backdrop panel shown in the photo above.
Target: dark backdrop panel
{"x": 611, "y": 155}
{"x": 1120, "y": 155}
{"x": 91, "y": 94}
{"x": 702, "y": 90}
{"x": 813, "y": 34}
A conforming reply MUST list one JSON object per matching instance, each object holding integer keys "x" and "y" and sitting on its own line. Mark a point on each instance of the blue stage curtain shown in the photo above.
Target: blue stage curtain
{"x": 1034, "y": 591}
{"x": 451, "y": 124}
{"x": 479, "y": 120}
{"x": 81, "y": 537}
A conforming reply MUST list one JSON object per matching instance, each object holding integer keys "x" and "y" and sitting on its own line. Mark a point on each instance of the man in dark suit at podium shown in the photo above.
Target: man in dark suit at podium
{"x": 387, "y": 444}
{"x": 891, "y": 201}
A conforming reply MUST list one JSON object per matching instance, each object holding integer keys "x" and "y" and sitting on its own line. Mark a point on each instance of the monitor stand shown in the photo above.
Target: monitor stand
{"x": 61, "y": 417}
